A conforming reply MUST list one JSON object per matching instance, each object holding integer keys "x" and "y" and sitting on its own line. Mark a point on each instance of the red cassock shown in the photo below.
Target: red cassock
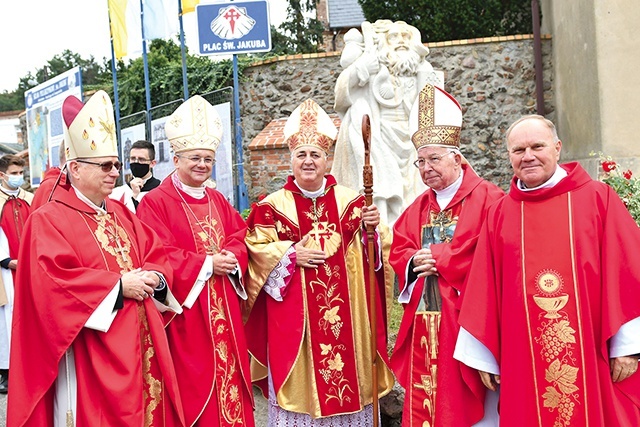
{"x": 43, "y": 193}
{"x": 70, "y": 259}
{"x": 554, "y": 277}
{"x": 458, "y": 403}
{"x": 207, "y": 341}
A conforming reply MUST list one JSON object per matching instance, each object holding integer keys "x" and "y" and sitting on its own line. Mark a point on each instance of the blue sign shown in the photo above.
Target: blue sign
{"x": 233, "y": 27}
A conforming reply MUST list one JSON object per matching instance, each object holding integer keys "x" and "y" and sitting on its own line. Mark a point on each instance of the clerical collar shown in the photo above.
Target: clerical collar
{"x": 557, "y": 176}
{"x": 100, "y": 210}
{"x": 312, "y": 194}
{"x": 195, "y": 192}
{"x": 9, "y": 192}
{"x": 444, "y": 196}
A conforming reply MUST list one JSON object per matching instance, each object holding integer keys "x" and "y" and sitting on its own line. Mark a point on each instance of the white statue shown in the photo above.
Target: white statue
{"x": 384, "y": 70}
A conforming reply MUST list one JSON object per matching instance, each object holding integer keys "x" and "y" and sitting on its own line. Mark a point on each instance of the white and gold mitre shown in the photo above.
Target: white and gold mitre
{"x": 310, "y": 125}
{"x": 435, "y": 119}
{"x": 89, "y": 129}
{"x": 195, "y": 125}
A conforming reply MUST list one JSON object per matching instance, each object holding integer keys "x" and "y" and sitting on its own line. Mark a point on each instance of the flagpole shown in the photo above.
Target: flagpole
{"x": 114, "y": 77}
{"x": 146, "y": 68}
{"x": 185, "y": 84}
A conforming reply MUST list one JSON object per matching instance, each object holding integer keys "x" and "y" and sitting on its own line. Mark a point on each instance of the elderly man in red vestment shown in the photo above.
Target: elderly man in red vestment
{"x": 433, "y": 244}
{"x": 203, "y": 236}
{"x": 14, "y": 211}
{"x": 308, "y": 292}
{"x": 88, "y": 343}
{"x": 551, "y": 310}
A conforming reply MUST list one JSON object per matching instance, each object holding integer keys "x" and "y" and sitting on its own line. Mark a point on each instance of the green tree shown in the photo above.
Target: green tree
{"x": 300, "y": 32}
{"x": 440, "y": 20}
{"x": 165, "y": 76}
{"x": 94, "y": 76}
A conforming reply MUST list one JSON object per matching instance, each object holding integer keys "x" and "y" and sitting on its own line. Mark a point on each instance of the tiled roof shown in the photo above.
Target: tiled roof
{"x": 345, "y": 13}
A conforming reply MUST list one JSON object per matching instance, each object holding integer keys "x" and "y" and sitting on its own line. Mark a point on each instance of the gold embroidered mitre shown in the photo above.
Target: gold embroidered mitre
{"x": 195, "y": 125}
{"x": 435, "y": 119}
{"x": 89, "y": 129}
{"x": 310, "y": 125}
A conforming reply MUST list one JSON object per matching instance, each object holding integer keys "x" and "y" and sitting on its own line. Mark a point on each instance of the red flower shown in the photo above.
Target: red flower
{"x": 608, "y": 165}
{"x": 627, "y": 174}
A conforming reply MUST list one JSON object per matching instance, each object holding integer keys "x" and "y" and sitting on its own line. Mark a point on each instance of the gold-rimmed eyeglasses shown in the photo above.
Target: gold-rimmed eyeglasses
{"x": 431, "y": 160}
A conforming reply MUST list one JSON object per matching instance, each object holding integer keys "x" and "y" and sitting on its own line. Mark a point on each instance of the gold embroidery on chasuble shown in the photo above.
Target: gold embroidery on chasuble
{"x": 553, "y": 313}
{"x": 114, "y": 240}
{"x": 556, "y": 339}
{"x": 209, "y": 237}
{"x": 330, "y": 341}
{"x": 440, "y": 228}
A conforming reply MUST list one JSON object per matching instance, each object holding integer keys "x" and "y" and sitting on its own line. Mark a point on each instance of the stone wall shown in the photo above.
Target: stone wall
{"x": 492, "y": 78}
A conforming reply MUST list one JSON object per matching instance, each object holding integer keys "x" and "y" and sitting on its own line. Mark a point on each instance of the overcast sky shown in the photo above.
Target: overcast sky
{"x": 33, "y": 31}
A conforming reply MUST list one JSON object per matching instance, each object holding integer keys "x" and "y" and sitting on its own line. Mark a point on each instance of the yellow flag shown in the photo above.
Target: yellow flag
{"x": 117, "y": 16}
{"x": 189, "y": 5}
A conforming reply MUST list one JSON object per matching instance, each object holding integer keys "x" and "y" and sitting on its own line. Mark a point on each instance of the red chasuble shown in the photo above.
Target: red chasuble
{"x": 70, "y": 259}
{"x": 207, "y": 340}
{"x": 315, "y": 335}
{"x": 554, "y": 277}
{"x": 424, "y": 348}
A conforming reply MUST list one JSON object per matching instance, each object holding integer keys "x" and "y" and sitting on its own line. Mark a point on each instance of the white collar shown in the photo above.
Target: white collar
{"x": 313, "y": 194}
{"x": 99, "y": 209}
{"x": 557, "y": 176}
{"x": 444, "y": 196}
{"x": 13, "y": 193}
{"x": 195, "y": 192}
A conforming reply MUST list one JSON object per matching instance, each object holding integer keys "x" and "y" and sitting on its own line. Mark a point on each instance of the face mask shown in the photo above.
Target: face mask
{"x": 15, "y": 181}
{"x": 139, "y": 170}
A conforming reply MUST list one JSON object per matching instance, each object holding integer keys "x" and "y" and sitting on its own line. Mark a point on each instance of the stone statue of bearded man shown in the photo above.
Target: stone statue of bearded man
{"x": 384, "y": 70}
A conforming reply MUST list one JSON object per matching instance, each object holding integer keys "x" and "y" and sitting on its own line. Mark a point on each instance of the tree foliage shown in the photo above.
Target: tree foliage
{"x": 301, "y": 32}
{"x": 165, "y": 76}
{"x": 443, "y": 20}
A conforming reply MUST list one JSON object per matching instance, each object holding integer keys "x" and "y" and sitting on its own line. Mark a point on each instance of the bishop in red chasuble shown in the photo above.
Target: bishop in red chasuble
{"x": 433, "y": 243}
{"x": 308, "y": 290}
{"x": 88, "y": 343}
{"x": 553, "y": 294}
{"x": 203, "y": 236}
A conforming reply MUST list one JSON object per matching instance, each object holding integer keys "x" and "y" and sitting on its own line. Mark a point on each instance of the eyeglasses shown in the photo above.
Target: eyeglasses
{"x": 139, "y": 160}
{"x": 432, "y": 160}
{"x": 198, "y": 159}
{"x": 105, "y": 166}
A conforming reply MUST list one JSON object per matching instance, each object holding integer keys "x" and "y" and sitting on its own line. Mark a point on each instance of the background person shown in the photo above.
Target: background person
{"x": 14, "y": 210}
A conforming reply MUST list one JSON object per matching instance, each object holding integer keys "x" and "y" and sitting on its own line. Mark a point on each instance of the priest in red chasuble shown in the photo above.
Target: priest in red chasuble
{"x": 433, "y": 244}
{"x": 203, "y": 236}
{"x": 308, "y": 288}
{"x": 14, "y": 210}
{"x": 88, "y": 342}
{"x": 551, "y": 310}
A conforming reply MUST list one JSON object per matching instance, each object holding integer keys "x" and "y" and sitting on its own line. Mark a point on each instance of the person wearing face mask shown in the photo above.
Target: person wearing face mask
{"x": 141, "y": 162}
{"x": 15, "y": 206}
